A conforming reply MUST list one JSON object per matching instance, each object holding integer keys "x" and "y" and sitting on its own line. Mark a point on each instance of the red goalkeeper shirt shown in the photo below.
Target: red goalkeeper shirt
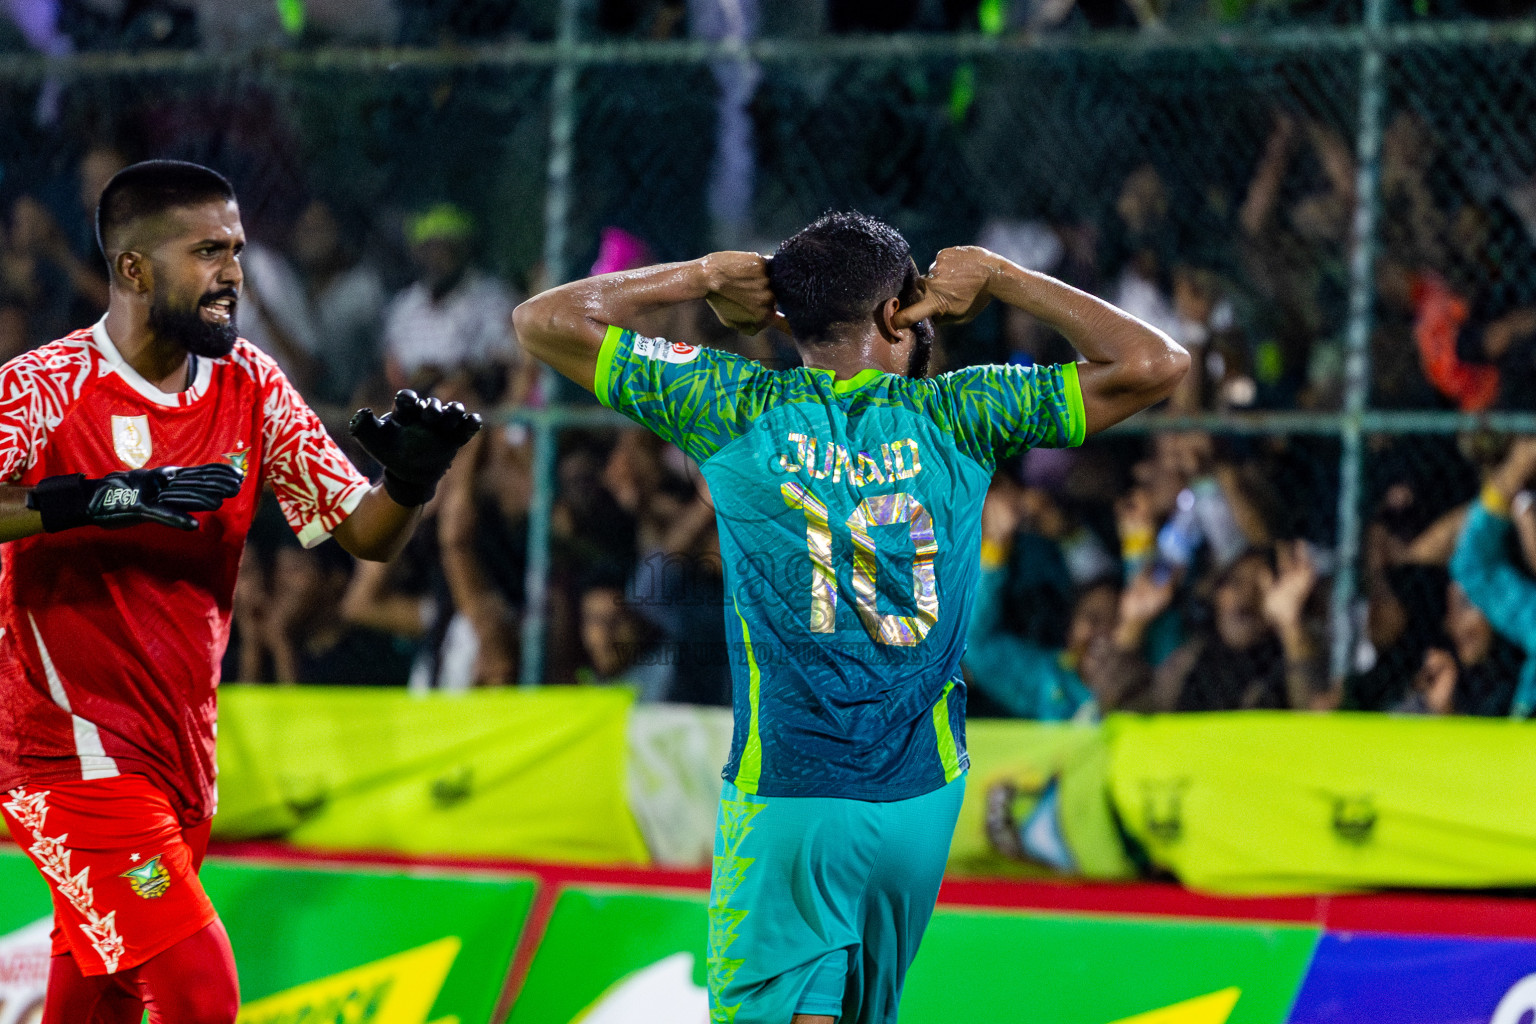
{"x": 110, "y": 640}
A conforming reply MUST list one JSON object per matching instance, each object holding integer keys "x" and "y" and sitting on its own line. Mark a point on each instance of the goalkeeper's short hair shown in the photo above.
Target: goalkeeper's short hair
{"x": 152, "y": 187}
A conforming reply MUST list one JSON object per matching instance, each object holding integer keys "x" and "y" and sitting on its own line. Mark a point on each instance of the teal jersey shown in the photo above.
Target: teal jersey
{"x": 850, "y": 529}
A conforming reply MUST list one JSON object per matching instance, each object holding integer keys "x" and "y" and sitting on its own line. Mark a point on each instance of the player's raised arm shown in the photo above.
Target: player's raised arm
{"x": 1130, "y": 364}
{"x": 565, "y": 326}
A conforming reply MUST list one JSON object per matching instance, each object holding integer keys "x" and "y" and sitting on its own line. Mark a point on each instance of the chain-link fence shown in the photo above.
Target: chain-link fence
{"x": 1336, "y": 215}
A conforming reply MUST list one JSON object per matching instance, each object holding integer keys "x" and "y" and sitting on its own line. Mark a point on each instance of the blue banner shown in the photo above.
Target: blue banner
{"x": 1395, "y": 979}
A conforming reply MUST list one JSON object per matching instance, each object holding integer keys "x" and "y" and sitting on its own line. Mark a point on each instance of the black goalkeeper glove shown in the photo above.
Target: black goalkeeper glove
{"x": 415, "y": 443}
{"x": 165, "y": 495}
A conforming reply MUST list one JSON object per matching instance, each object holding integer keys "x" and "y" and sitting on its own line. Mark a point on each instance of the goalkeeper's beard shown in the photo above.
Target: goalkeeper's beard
{"x": 188, "y": 329}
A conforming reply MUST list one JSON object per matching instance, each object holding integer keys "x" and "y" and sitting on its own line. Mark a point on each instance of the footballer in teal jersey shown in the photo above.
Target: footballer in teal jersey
{"x": 849, "y": 495}
{"x": 850, "y": 531}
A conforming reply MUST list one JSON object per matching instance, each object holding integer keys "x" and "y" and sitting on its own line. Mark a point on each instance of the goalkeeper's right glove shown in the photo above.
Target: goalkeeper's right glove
{"x": 164, "y": 495}
{"x": 415, "y": 442}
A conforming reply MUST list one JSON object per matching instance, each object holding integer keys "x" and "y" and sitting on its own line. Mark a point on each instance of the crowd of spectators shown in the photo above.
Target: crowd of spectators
{"x": 1251, "y": 274}
{"x": 58, "y": 27}
{"x": 64, "y": 26}
{"x": 1163, "y": 571}
{"x": 1215, "y": 605}
{"x": 1175, "y": 571}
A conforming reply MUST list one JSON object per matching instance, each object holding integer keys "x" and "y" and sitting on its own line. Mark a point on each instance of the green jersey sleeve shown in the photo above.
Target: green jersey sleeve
{"x": 700, "y": 399}
{"x": 998, "y": 411}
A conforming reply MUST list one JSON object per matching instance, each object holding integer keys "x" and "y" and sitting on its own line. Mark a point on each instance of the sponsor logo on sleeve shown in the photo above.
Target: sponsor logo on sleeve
{"x": 662, "y": 350}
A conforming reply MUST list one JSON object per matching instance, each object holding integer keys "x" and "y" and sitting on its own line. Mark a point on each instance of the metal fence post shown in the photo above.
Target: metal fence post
{"x": 1357, "y": 369}
{"x": 557, "y": 202}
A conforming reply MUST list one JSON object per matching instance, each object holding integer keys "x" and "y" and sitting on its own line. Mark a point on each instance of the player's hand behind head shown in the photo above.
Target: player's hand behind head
{"x": 415, "y": 442}
{"x": 739, "y": 292}
{"x": 166, "y": 495}
{"x": 954, "y": 289}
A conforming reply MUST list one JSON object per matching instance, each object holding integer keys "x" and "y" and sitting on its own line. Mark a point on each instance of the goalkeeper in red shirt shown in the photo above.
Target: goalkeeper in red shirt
{"x": 132, "y": 455}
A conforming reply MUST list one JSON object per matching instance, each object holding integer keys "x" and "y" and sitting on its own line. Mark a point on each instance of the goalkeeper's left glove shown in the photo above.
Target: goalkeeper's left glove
{"x": 165, "y": 495}
{"x": 415, "y": 442}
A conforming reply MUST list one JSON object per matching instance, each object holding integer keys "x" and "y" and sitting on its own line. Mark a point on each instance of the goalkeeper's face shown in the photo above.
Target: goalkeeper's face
{"x": 198, "y": 279}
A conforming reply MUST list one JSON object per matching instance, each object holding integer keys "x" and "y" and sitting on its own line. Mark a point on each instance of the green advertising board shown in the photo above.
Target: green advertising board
{"x": 366, "y": 947}
{"x": 23, "y": 895}
{"x": 611, "y": 957}
{"x": 991, "y": 967}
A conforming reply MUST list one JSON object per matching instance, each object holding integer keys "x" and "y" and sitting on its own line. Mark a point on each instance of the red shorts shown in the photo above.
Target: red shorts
{"x": 122, "y": 870}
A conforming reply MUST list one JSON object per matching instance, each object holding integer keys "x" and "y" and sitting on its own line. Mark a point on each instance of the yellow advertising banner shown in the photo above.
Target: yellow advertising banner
{"x": 1037, "y": 804}
{"x": 1277, "y": 802}
{"x": 523, "y": 774}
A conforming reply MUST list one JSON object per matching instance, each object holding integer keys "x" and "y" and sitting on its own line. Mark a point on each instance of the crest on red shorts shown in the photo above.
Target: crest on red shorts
{"x": 150, "y": 879}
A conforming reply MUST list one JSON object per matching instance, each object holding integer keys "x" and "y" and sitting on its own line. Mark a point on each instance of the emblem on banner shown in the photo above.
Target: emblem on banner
{"x": 1163, "y": 808}
{"x": 1354, "y": 818}
{"x": 150, "y": 879}
{"x": 130, "y": 439}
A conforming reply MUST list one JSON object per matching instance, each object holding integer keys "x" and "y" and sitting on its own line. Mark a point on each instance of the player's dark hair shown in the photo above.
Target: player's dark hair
{"x": 838, "y": 271}
{"x": 154, "y": 186}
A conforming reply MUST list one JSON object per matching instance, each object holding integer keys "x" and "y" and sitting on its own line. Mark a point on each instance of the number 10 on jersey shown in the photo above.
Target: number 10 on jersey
{"x": 878, "y": 510}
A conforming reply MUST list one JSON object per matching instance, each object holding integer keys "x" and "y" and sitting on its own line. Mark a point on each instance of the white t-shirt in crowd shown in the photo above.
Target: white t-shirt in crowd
{"x": 470, "y": 325}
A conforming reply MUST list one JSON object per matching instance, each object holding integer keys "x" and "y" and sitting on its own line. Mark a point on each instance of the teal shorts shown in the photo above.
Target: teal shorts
{"x": 817, "y": 904}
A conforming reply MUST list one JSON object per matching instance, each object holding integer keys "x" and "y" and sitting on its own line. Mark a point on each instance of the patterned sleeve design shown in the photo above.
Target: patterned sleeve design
{"x": 317, "y": 486}
{"x": 36, "y": 390}
{"x": 998, "y": 411}
{"x": 700, "y": 399}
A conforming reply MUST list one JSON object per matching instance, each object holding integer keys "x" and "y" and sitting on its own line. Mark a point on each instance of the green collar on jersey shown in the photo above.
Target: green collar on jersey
{"x": 861, "y": 379}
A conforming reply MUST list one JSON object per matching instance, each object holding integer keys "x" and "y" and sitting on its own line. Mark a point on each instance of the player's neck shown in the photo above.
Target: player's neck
{"x": 850, "y": 356}
{"x": 162, "y": 362}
